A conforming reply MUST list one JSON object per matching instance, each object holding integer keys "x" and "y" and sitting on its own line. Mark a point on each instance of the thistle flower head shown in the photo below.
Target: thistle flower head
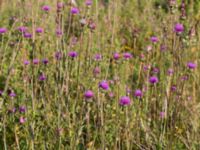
{"x": 124, "y": 101}
{"x": 153, "y": 79}
{"x": 89, "y": 94}
{"x": 104, "y": 85}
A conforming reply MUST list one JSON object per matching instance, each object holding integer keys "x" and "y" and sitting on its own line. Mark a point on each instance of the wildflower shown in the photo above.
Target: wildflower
{"x": 22, "y": 120}
{"x": 170, "y": 71}
{"x": 153, "y": 80}
{"x": 163, "y": 48}
{"x": 98, "y": 57}
{"x": 22, "y": 29}
{"x": 88, "y": 2}
{"x": 92, "y": 25}
{"x": 12, "y": 94}
{"x": 42, "y": 77}
{"x": 191, "y": 65}
{"x": 27, "y": 35}
{"x": 138, "y": 93}
{"x": 173, "y": 88}
{"x": 46, "y": 8}
{"x": 36, "y": 61}
{"x": 155, "y": 70}
{"x": 3, "y": 30}
{"x": 96, "y": 70}
{"x": 22, "y": 109}
{"x": 89, "y": 94}
{"x": 111, "y": 94}
{"x": 179, "y": 28}
{"x": 184, "y": 78}
{"x": 59, "y": 32}
{"x": 104, "y": 85}
{"x": 116, "y": 56}
{"x": 60, "y": 5}
{"x": 146, "y": 67}
{"x": 124, "y": 100}
{"x": 74, "y": 40}
{"x": 39, "y": 30}
{"x": 26, "y": 62}
{"x": 142, "y": 56}
{"x": 74, "y": 10}
{"x": 58, "y": 55}
{"x": 73, "y": 54}
{"x": 149, "y": 48}
{"x": 154, "y": 39}
{"x": 83, "y": 22}
{"x": 127, "y": 55}
{"x": 45, "y": 61}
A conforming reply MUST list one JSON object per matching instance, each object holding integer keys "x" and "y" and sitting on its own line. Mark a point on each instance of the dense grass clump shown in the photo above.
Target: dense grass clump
{"x": 99, "y": 74}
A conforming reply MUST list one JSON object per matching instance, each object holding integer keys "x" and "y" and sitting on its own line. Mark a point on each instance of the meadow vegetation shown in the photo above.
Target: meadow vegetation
{"x": 99, "y": 74}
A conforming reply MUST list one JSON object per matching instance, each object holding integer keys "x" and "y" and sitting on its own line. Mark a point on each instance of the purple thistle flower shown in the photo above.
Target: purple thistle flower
{"x": 104, "y": 85}
{"x": 88, "y": 2}
{"x": 153, "y": 79}
{"x": 22, "y": 109}
{"x": 22, "y": 29}
{"x": 127, "y": 55}
{"x": 116, "y": 56}
{"x": 191, "y": 65}
{"x": 154, "y": 39}
{"x": 138, "y": 93}
{"x": 74, "y": 10}
{"x": 3, "y": 30}
{"x": 46, "y": 8}
{"x": 59, "y": 32}
{"x": 155, "y": 70}
{"x": 26, "y": 62}
{"x": 58, "y": 55}
{"x": 124, "y": 101}
{"x": 22, "y": 120}
{"x": 39, "y": 30}
{"x": 173, "y": 88}
{"x": 60, "y": 5}
{"x": 42, "y": 77}
{"x": 142, "y": 56}
{"x": 96, "y": 70}
{"x": 27, "y": 35}
{"x": 98, "y": 57}
{"x": 179, "y": 28}
{"x": 45, "y": 61}
{"x": 111, "y": 95}
{"x": 146, "y": 67}
{"x": 92, "y": 25}
{"x": 36, "y": 61}
{"x": 73, "y": 54}
{"x": 170, "y": 71}
{"x": 74, "y": 40}
{"x": 163, "y": 48}
{"x": 184, "y": 78}
{"x": 12, "y": 94}
{"x": 89, "y": 94}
